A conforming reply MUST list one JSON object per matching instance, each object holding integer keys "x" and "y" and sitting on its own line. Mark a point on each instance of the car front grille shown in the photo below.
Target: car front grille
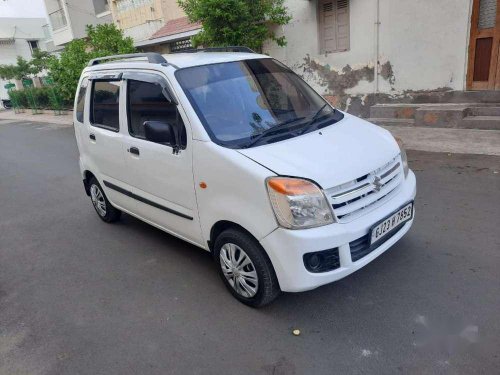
{"x": 361, "y": 246}
{"x": 354, "y": 198}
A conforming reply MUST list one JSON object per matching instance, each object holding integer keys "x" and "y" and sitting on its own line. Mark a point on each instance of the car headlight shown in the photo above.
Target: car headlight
{"x": 404, "y": 157}
{"x": 298, "y": 203}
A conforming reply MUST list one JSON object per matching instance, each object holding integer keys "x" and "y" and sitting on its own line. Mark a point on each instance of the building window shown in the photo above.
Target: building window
{"x": 334, "y": 25}
{"x": 125, "y": 5}
{"x": 33, "y": 45}
{"x": 487, "y": 14}
{"x": 181, "y": 45}
{"x": 100, "y": 6}
{"x": 58, "y": 17}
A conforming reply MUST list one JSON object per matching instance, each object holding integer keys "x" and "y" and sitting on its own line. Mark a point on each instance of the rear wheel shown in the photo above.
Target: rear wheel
{"x": 245, "y": 269}
{"x": 102, "y": 206}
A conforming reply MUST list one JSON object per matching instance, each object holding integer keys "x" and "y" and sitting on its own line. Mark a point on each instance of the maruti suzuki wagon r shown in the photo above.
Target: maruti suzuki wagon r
{"x": 235, "y": 153}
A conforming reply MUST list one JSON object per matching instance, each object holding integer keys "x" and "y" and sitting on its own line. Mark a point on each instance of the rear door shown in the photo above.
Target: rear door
{"x": 161, "y": 177}
{"x": 104, "y": 140}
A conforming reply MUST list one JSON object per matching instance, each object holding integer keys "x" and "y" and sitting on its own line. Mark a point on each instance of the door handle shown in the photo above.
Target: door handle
{"x": 133, "y": 150}
{"x": 92, "y": 136}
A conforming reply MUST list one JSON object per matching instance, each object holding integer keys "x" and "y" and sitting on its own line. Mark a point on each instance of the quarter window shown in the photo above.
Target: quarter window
{"x": 146, "y": 102}
{"x": 105, "y": 104}
{"x": 80, "y": 102}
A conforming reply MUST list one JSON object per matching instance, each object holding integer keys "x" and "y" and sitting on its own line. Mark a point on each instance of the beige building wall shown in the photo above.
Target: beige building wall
{"x": 171, "y": 10}
{"x": 138, "y": 19}
{"x": 141, "y": 19}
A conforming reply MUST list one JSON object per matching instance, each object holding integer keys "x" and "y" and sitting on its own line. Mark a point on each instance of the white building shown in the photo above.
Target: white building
{"x": 19, "y": 37}
{"x": 69, "y": 18}
{"x": 358, "y": 52}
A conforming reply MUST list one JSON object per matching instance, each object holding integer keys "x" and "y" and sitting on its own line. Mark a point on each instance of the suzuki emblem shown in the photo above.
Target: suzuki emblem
{"x": 376, "y": 182}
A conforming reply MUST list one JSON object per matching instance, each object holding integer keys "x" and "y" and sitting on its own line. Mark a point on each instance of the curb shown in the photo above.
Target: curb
{"x": 46, "y": 117}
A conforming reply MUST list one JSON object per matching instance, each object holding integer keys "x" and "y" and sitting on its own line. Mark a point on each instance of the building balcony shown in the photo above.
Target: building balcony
{"x": 58, "y": 19}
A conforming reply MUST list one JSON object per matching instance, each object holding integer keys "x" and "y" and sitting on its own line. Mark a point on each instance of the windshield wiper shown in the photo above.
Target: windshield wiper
{"x": 316, "y": 115}
{"x": 273, "y": 130}
{"x": 314, "y": 119}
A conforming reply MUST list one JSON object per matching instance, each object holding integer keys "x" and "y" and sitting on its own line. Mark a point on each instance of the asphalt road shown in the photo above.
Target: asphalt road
{"x": 78, "y": 296}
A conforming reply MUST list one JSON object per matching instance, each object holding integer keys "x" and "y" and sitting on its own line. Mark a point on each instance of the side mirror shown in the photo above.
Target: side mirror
{"x": 161, "y": 132}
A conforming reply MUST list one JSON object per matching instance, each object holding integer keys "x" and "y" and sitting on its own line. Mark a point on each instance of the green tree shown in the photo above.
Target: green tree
{"x": 7, "y": 72}
{"x": 39, "y": 62}
{"x": 105, "y": 40}
{"x": 102, "y": 40}
{"x": 66, "y": 70}
{"x": 236, "y": 22}
{"x": 22, "y": 68}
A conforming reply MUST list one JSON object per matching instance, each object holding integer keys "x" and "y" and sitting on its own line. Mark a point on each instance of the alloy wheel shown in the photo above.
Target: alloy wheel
{"x": 98, "y": 200}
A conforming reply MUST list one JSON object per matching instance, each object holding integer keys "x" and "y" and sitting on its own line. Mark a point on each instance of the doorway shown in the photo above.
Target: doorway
{"x": 484, "y": 57}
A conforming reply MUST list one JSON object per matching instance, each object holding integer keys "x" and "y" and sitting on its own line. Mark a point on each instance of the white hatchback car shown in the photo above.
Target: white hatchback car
{"x": 235, "y": 153}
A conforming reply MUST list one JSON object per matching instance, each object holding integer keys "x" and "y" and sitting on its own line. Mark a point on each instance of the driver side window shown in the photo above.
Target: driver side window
{"x": 146, "y": 102}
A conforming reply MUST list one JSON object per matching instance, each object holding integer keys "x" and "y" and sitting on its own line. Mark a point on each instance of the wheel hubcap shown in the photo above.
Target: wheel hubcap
{"x": 239, "y": 270}
{"x": 98, "y": 200}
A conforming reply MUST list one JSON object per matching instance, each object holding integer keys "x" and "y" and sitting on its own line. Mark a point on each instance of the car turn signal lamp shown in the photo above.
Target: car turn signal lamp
{"x": 298, "y": 203}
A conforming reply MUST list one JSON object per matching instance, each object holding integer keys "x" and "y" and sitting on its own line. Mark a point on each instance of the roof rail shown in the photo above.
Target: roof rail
{"x": 153, "y": 58}
{"x": 220, "y": 49}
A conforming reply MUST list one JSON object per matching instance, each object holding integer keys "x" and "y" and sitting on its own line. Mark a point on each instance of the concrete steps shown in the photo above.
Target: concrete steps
{"x": 481, "y": 122}
{"x": 438, "y": 115}
{"x": 393, "y": 121}
{"x": 396, "y": 111}
{"x": 457, "y": 141}
{"x": 485, "y": 111}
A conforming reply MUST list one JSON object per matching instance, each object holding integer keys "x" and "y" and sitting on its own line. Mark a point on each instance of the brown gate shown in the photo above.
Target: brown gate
{"x": 484, "y": 55}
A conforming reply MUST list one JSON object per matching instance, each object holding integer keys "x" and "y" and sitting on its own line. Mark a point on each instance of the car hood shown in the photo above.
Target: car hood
{"x": 339, "y": 153}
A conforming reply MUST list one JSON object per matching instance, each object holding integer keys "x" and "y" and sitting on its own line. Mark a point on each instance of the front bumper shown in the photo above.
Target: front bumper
{"x": 287, "y": 247}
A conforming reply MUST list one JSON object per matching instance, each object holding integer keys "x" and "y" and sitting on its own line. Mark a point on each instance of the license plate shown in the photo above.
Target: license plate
{"x": 386, "y": 226}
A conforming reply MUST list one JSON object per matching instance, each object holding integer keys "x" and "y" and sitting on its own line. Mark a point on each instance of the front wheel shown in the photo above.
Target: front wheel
{"x": 245, "y": 269}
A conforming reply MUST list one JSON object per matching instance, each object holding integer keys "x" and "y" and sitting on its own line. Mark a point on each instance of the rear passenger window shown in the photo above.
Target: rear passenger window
{"x": 146, "y": 102}
{"x": 80, "y": 103}
{"x": 105, "y": 104}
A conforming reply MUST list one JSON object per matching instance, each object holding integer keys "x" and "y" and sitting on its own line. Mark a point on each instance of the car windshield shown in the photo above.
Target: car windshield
{"x": 251, "y": 102}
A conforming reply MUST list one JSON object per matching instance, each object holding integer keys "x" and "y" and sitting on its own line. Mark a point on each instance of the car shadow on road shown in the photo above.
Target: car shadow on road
{"x": 359, "y": 291}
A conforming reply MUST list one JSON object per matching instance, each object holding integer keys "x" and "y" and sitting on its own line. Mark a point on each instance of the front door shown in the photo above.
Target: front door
{"x": 484, "y": 57}
{"x": 162, "y": 180}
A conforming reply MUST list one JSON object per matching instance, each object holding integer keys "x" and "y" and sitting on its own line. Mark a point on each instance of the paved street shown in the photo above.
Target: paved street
{"x": 78, "y": 296}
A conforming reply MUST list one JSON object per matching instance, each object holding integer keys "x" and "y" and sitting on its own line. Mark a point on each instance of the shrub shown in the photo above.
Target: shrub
{"x": 47, "y": 97}
{"x": 19, "y": 98}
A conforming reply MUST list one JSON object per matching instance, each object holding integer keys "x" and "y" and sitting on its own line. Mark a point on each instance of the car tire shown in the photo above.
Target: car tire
{"x": 252, "y": 281}
{"x": 102, "y": 206}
